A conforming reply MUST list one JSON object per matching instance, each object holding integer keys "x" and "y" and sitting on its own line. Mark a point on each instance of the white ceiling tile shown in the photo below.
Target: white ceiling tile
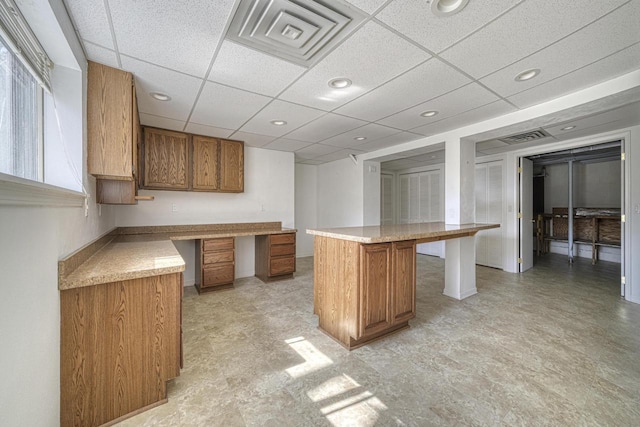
{"x": 308, "y": 162}
{"x": 370, "y": 57}
{"x": 294, "y": 115}
{"x": 485, "y": 112}
{"x": 519, "y": 33}
{"x": 161, "y": 122}
{"x": 90, "y": 18}
{"x": 570, "y": 53}
{"x": 371, "y": 132}
{"x": 414, "y": 19}
{"x": 615, "y": 65}
{"x": 465, "y": 98}
{"x": 422, "y": 83}
{"x": 252, "y": 139}
{"x": 325, "y": 127}
{"x": 284, "y": 144}
{"x": 389, "y": 141}
{"x": 400, "y": 164}
{"x": 199, "y": 129}
{"x": 629, "y": 113}
{"x": 338, "y": 155}
{"x": 169, "y": 33}
{"x": 368, "y": 6}
{"x": 248, "y": 69}
{"x": 492, "y": 143}
{"x": 149, "y": 78}
{"x": 226, "y": 107}
{"x": 101, "y": 55}
{"x": 315, "y": 150}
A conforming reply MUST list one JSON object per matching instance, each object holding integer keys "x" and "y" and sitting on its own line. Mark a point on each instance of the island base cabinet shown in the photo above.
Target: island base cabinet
{"x": 120, "y": 344}
{"x": 363, "y": 292}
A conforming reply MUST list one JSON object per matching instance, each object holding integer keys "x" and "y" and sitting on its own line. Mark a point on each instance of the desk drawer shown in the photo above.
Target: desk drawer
{"x": 218, "y": 275}
{"x": 280, "y": 239}
{"x": 217, "y": 257}
{"x": 223, "y": 243}
{"x": 281, "y": 266}
{"x": 280, "y": 250}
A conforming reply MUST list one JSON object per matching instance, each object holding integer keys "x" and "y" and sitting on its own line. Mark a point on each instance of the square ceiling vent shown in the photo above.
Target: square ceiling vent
{"x": 300, "y": 31}
{"x": 525, "y": 137}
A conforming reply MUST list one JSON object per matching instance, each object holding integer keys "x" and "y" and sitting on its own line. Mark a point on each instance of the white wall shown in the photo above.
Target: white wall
{"x": 268, "y": 196}
{"x": 632, "y": 210}
{"x": 306, "y": 207}
{"x": 341, "y": 194}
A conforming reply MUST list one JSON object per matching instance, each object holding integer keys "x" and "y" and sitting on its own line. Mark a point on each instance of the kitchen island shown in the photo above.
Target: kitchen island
{"x": 365, "y": 277}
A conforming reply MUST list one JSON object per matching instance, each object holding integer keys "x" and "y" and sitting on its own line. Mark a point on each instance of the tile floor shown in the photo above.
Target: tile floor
{"x": 553, "y": 346}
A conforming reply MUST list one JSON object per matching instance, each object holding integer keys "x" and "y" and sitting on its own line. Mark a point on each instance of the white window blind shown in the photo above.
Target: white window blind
{"x": 16, "y": 33}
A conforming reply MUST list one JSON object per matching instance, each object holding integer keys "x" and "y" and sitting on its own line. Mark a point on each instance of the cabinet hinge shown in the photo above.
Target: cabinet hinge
{"x": 519, "y": 260}
{"x": 519, "y": 215}
{"x": 623, "y": 218}
{"x": 623, "y": 156}
{"x": 519, "y": 170}
{"x": 623, "y": 280}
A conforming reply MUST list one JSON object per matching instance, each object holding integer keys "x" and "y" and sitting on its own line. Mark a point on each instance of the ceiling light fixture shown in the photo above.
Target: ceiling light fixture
{"x": 360, "y": 138}
{"x": 447, "y": 7}
{"x": 339, "y": 83}
{"x": 278, "y": 122}
{"x": 568, "y": 127}
{"x": 428, "y": 113}
{"x": 160, "y": 96}
{"x": 527, "y": 75}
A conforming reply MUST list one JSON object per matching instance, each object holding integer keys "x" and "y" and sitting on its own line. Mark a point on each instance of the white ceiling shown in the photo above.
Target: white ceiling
{"x": 402, "y": 61}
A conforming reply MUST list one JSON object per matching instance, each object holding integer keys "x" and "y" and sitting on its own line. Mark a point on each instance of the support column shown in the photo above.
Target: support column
{"x": 460, "y": 254}
{"x": 570, "y": 213}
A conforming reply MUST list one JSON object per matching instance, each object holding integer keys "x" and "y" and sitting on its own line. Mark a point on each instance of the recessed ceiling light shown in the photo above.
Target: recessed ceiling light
{"x": 339, "y": 83}
{"x": 568, "y": 128}
{"x": 447, "y": 7}
{"x": 428, "y": 113}
{"x": 278, "y": 122}
{"x": 527, "y": 75}
{"x": 160, "y": 96}
{"x": 360, "y": 138}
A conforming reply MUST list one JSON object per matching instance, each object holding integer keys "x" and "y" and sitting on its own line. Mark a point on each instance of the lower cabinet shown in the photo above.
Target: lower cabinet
{"x": 275, "y": 256}
{"x": 120, "y": 344}
{"x": 215, "y": 262}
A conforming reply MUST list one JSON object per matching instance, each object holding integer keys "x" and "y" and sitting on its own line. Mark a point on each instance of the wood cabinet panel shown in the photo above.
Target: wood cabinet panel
{"x": 120, "y": 343}
{"x": 281, "y": 250}
{"x": 205, "y": 163}
{"x": 218, "y": 275}
{"x": 279, "y": 239}
{"x": 166, "y": 155}
{"x": 217, "y": 257}
{"x": 218, "y": 244}
{"x": 275, "y": 256}
{"x": 403, "y": 291}
{"x": 215, "y": 263}
{"x": 116, "y": 192}
{"x": 279, "y": 266}
{"x": 231, "y": 166}
{"x": 374, "y": 288}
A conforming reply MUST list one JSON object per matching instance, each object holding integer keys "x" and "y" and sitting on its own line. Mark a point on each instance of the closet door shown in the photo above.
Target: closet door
{"x": 386, "y": 199}
{"x": 404, "y": 199}
{"x": 414, "y": 198}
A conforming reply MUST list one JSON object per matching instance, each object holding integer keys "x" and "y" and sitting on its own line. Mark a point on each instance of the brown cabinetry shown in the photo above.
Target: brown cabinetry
{"x": 120, "y": 344}
{"x": 215, "y": 262}
{"x": 205, "y": 163}
{"x": 166, "y": 159}
{"x": 231, "y": 166}
{"x": 275, "y": 256}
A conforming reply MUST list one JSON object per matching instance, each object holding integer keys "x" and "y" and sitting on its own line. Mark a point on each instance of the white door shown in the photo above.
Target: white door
{"x": 526, "y": 214}
{"x": 386, "y": 199}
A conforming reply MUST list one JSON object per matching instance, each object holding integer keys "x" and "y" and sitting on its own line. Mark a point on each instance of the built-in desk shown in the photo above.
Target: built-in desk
{"x": 365, "y": 277}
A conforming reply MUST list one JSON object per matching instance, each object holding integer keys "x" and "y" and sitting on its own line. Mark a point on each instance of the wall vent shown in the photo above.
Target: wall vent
{"x": 525, "y": 137}
{"x": 300, "y": 31}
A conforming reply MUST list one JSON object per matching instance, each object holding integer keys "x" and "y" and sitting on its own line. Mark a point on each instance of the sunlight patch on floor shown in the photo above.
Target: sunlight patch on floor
{"x": 314, "y": 359}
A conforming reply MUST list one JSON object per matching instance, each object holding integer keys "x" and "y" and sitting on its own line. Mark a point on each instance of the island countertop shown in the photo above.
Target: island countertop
{"x": 424, "y": 231}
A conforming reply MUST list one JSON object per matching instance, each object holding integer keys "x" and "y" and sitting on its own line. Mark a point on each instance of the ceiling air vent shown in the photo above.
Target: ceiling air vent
{"x": 300, "y": 31}
{"x": 525, "y": 137}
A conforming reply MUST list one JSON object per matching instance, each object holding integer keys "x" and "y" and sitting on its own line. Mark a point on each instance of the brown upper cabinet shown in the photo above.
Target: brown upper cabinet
{"x": 205, "y": 163}
{"x": 113, "y": 124}
{"x": 231, "y": 166}
{"x": 166, "y": 159}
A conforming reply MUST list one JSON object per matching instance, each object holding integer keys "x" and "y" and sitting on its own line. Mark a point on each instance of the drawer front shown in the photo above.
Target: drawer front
{"x": 218, "y": 275}
{"x": 280, "y": 266}
{"x": 280, "y": 239}
{"x": 209, "y": 245}
{"x": 217, "y": 257}
{"x": 280, "y": 250}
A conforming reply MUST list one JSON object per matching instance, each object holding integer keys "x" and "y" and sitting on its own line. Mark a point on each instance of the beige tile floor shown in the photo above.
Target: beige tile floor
{"x": 553, "y": 346}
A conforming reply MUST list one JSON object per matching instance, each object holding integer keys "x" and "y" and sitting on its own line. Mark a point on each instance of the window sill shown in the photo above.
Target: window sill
{"x": 16, "y": 191}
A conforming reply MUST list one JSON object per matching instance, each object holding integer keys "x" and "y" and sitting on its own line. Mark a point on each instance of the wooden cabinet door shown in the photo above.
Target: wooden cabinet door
{"x": 166, "y": 154}
{"x": 205, "y": 163}
{"x": 374, "y": 295}
{"x": 231, "y": 166}
{"x": 110, "y": 122}
{"x": 403, "y": 290}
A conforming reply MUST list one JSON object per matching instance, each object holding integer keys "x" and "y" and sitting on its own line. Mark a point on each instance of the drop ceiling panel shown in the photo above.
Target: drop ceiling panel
{"x": 284, "y": 144}
{"x": 161, "y": 122}
{"x": 338, "y": 155}
{"x": 479, "y": 114}
{"x": 252, "y": 139}
{"x": 575, "y": 51}
{"x": 388, "y": 141}
{"x": 629, "y": 112}
{"x": 169, "y": 33}
{"x": 455, "y": 102}
{"x": 248, "y": 69}
{"x": 424, "y": 82}
{"x": 101, "y": 55}
{"x": 91, "y": 19}
{"x": 493, "y": 143}
{"x": 325, "y": 127}
{"x": 181, "y": 88}
{"x": 371, "y": 132}
{"x": 528, "y": 27}
{"x": 612, "y": 66}
{"x": 387, "y": 55}
{"x": 414, "y": 19}
{"x": 294, "y": 115}
{"x": 199, "y": 129}
{"x": 368, "y": 6}
{"x": 315, "y": 150}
